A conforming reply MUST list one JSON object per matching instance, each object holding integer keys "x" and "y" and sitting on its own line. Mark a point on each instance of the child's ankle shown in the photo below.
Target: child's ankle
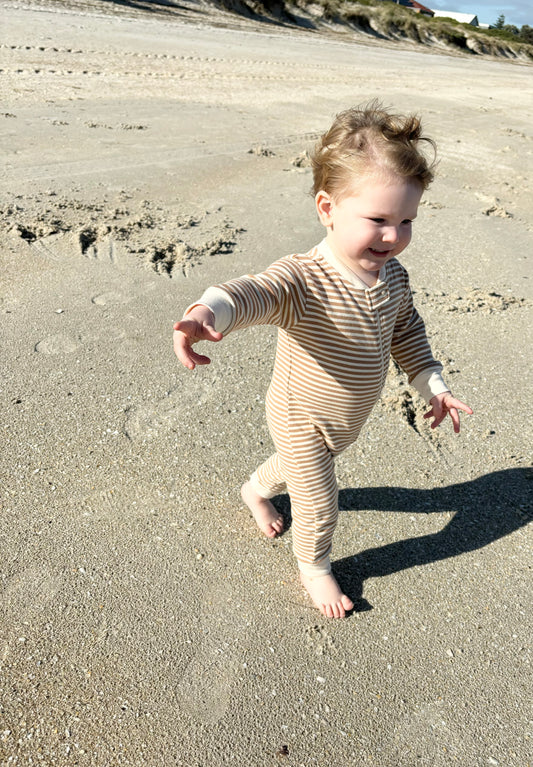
{"x": 258, "y": 488}
{"x": 315, "y": 569}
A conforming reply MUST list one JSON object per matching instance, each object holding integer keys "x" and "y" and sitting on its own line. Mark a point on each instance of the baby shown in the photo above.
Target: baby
{"x": 341, "y": 310}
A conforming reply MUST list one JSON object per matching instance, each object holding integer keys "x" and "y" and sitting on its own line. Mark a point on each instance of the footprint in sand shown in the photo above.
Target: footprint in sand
{"x": 24, "y": 599}
{"x": 166, "y": 415}
{"x": 204, "y": 692}
{"x": 432, "y": 730}
{"x": 58, "y": 344}
{"x": 96, "y": 246}
{"x": 110, "y": 298}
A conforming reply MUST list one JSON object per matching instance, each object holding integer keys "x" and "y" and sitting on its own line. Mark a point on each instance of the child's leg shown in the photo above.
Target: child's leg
{"x": 264, "y": 484}
{"x": 308, "y": 468}
{"x": 268, "y": 520}
{"x": 268, "y": 479}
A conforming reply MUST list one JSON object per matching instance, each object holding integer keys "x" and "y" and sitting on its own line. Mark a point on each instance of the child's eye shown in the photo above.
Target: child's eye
{"x": 382, "y": 221}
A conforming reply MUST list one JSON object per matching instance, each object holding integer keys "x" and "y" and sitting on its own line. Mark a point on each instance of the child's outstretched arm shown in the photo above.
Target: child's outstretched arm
{"x": 197, "y": 325}
{"x": 444, "y": 404}
{"x": 274, "y": 297}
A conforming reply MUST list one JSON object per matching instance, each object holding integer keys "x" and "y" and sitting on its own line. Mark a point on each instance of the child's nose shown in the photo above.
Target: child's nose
{"x": 391, "y": 234}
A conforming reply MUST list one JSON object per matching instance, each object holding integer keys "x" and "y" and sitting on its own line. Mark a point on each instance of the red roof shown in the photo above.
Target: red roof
{"x": 416, "y": 6}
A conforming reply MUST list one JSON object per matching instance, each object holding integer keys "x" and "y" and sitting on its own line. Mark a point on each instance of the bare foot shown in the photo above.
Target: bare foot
{"x": 267, "y": 518}
{"x": 327, "y": 596}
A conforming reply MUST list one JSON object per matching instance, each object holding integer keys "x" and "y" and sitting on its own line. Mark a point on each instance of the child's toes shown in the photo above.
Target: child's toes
{"x": 327, "y": 595}
{"x": 277, "y": 526}
{"x": 271, "y": 528}
{"x": 340, "y": 611}
{"x": 334, "y": 610}
{"x": 347, "y": 603}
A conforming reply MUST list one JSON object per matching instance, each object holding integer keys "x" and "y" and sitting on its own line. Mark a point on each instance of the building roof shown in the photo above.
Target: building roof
{"x": 416, "y": 6}
{"x": 464, "y": 18}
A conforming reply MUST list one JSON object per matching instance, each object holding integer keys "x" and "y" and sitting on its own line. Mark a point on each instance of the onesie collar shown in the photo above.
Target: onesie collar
{"x": 325, "y": 251}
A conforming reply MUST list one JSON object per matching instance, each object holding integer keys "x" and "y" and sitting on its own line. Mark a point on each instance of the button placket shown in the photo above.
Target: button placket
{"x": 377, "y": 297}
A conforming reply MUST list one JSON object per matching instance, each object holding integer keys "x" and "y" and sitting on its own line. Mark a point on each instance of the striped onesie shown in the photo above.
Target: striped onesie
{"x": 335, "y": 337}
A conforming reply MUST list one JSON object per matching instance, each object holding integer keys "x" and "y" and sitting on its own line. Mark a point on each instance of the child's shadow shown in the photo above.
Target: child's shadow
{"x": 486, "y": 508}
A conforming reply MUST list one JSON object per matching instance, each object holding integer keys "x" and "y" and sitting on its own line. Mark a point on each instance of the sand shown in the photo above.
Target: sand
{"x": 144, "y": 619}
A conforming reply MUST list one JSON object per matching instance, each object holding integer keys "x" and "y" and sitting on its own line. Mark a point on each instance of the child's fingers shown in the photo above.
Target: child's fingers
{"x": 184, "y": 355}
{"x": 211, "y": 334}
{"x": 183, "y": 343}
{"x": 189, "y": 358}
{"x": 454, "y": 415}
{"x": 189, "y": 328}
{"x": 196, "y": 331}
{"x": 182, "y": 325}
{"x": 438, "y": 414}
{"x": 450, "y": 405}
{"x": 183, "y": 350}
{"x": 438, "y": 421}
{"x": 454, "y": 405}
{"x": 198, "y": 359}
{"x": 461, "y": 406}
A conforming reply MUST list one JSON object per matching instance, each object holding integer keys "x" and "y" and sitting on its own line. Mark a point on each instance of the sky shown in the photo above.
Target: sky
{"x": 516, "y": 12}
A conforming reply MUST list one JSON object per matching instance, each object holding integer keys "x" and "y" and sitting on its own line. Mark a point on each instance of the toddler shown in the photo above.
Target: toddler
{"x": 341, "y": 310}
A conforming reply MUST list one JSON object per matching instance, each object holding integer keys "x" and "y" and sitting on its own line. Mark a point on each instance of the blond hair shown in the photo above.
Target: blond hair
{"x": 369, "y": 139}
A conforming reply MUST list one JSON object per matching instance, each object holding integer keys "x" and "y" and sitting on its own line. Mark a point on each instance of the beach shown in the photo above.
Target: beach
{"x": 144, "y": 619}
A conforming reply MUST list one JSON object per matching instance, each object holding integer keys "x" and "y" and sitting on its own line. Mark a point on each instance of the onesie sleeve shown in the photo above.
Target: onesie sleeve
{"x": 411, "y": 350}
{"x": 220, "y": 304}
{"x": 276, "y": 296}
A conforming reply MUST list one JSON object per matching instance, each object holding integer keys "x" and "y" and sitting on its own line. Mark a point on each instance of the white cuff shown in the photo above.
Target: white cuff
{"x": 316, "y": 569}
{"x": 259, "y": 489}
{"x": 220, "y": 303}
{"x": 428, "y": 383}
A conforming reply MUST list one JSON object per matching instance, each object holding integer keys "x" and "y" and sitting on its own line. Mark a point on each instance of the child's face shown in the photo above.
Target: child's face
{"x": 372, "y": 225}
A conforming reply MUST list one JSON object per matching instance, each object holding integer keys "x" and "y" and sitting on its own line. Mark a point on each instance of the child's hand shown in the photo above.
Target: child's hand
{"x": 198, "y": 325}
{"x": 445, "y": 403}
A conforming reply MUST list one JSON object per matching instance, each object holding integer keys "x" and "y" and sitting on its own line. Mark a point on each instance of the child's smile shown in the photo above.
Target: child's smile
{"x": 369, "y": 227}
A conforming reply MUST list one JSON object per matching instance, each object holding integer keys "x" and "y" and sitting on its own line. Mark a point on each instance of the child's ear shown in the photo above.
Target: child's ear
{"x": 324, "y": 207}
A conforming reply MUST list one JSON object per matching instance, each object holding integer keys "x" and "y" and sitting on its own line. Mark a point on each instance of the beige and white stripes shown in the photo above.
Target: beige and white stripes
{"x": 334, "y": 342}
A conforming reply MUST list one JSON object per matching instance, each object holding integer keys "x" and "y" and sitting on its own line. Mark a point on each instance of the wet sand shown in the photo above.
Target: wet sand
{"x": 144, "y": 619}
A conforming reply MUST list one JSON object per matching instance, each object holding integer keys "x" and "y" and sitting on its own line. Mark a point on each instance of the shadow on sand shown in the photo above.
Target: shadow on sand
{"x": 486, "y": 509}
{"x": 248, "y": 9}
{"x": 156, "y": 6}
